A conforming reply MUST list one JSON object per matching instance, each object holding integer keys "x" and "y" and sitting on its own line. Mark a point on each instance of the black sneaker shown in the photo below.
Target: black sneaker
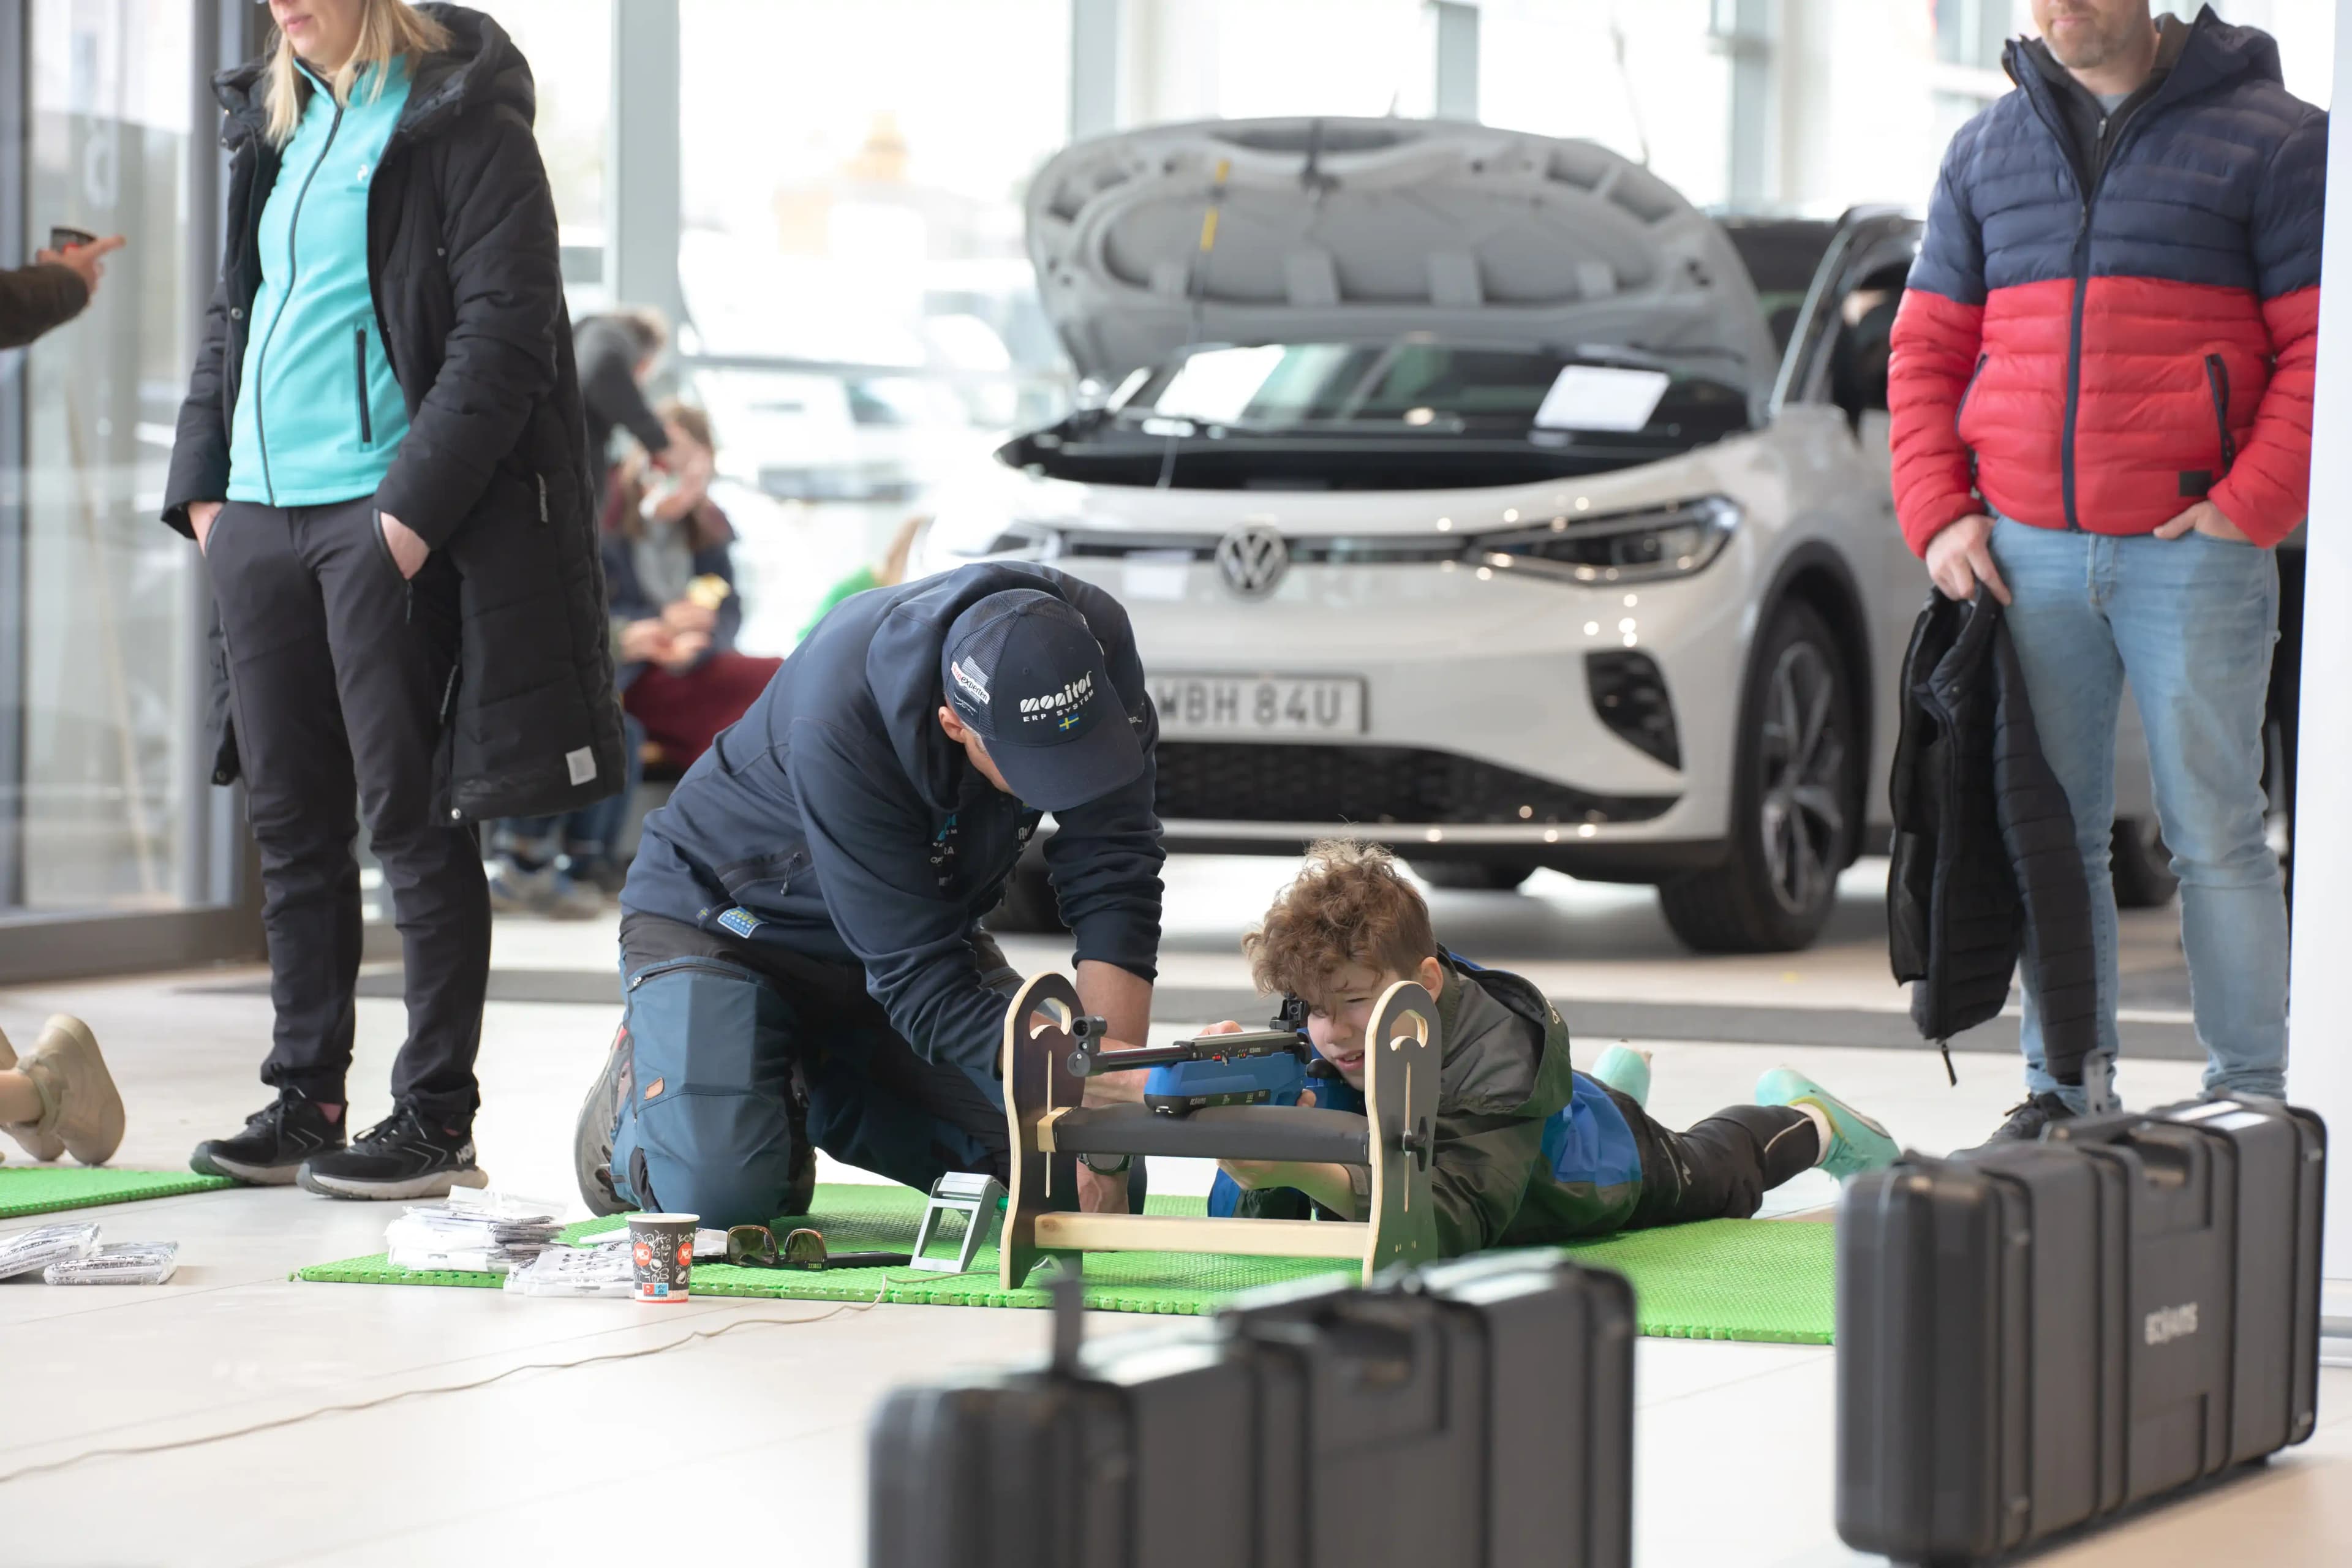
{"x": 277, "y": 1139}
{"x": 402, "y": 1156}
{"x": 2026, "y": 1121}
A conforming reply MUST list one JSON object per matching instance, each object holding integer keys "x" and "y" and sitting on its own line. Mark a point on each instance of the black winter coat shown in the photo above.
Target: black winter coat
{"x": 1985, "y": 867}
{"x": 468, "y": 292}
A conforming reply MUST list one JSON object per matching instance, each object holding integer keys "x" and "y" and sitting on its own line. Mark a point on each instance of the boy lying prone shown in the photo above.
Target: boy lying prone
{"x": 1529, "y": 1150}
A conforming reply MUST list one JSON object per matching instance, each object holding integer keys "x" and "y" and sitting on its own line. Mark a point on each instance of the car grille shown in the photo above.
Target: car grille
{"x": 1216, "y": 780}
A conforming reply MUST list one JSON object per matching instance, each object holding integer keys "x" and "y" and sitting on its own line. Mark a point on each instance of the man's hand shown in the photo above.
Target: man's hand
{"x": 1123, "y": 1001}
{"x": 2207, "y": 519}
{"x": 644, "y": 642}
{"x": 1101, "y": 1193}
{"x": 408, "y": 549}
{"x": 87, "y": 260}
{"x": 1961, "y": 557}
{"x": 202, "y": 515}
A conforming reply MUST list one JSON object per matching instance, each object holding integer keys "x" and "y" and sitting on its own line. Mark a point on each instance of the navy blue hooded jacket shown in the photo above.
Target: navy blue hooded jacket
{"x": 836, "y": 820}
{"x": 2098, "y": 345}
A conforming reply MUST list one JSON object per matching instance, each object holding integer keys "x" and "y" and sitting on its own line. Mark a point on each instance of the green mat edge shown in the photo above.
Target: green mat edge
{"x": 373, "y": 1270}
{"x": 176, "y": 1186}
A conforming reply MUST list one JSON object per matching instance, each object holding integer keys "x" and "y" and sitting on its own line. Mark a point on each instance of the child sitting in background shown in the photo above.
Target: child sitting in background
{"x": 669, "y": 569}
{"x": 1528, "y": 1151}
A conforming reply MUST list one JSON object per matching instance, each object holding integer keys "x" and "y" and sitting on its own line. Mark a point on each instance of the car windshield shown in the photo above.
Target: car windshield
{"x": 1438, "y": 389}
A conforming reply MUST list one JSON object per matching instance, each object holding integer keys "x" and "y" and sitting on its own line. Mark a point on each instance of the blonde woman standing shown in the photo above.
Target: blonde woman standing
{"x": 383, "y": 457}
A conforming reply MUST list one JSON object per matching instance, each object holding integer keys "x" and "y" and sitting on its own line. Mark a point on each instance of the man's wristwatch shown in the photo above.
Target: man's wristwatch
{"x": 1107, "y": 1165}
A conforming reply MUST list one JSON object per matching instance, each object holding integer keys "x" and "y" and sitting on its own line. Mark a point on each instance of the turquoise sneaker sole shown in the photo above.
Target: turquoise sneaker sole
{"x": 1626, "y": 1070}
{"x": 1857, "y": 1144}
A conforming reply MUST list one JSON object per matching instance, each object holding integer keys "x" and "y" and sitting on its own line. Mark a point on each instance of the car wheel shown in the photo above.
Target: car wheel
{"x": 1473, "y": 876}
{"x": 1029, "y": 908}
{"x": 2143, "y": 866}
{"x": 1794, "y": 802}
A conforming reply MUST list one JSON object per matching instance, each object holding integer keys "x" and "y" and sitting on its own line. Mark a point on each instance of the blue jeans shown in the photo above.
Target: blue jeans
{"x": 2190, "y": 622}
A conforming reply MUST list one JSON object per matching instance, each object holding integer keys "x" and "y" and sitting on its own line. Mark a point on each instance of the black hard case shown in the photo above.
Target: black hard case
{"x": 1475, "y": 1414}
{"x": 2040, "y": 1335}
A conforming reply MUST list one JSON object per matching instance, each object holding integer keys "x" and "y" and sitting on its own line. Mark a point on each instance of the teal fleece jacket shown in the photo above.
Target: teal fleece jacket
{"x": 318, "y": 415}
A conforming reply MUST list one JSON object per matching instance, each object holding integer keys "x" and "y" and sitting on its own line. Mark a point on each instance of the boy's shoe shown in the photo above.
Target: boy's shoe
{"x": 1627, "y": 1071}
{"x": 41, "y": 1146}
{"x": 2026, "y": 1121}
{"x": 277, "y": 1139}
{"x": 402, "y": 1156}
{"x": 81, "y": 1107}
{"x": 1856, "y": 1143}
{"x": 598, "y": 1125}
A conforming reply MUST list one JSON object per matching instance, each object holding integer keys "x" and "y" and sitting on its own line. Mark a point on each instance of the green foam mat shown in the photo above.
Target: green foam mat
{"x": 1720, "y": 1279}
{"x": 43, "y": 1189}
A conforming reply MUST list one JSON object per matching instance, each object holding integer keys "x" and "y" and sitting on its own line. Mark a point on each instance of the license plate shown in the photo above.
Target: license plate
{"x": 1194, "y": 705}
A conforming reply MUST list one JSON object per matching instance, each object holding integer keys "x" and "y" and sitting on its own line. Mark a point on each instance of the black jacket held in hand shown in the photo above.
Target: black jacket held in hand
{"x": 463, "y": 265}
{"x": 1985, "y": 867}
{"x": 836, "y": 821}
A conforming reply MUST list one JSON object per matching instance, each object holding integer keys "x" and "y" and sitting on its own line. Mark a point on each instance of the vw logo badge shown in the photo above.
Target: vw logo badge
{"x": 1252, "y": 560}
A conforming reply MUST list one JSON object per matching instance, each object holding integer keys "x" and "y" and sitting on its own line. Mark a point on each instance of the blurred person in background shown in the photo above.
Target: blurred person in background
{"x": 669, "y": 558}
{"x": 52, "y": 292}
{"x": 618, "y": 353}
{"x": 382, "y": 456}
{"x": 888, "y": 573}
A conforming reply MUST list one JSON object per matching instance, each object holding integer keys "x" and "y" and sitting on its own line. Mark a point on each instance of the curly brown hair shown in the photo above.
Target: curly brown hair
{"x": 1349, "y": 905}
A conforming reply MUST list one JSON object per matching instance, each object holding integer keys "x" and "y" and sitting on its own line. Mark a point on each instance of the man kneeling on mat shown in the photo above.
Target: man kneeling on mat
{"x": 1529, "y": 1150}
{"x": 803, "y": 963}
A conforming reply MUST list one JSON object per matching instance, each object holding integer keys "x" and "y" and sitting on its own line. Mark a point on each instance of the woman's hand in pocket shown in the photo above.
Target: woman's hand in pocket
{"x": 202, "y": 515}
{"x": 408, "y": 550}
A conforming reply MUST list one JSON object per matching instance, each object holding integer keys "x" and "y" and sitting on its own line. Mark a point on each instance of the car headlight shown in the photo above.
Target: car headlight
{"x": 983, "y": 536}
{"x": 1622, "y": 547}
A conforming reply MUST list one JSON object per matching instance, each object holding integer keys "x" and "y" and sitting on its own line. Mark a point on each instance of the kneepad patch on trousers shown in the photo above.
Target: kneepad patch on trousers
{"x": 707, "y": 1128}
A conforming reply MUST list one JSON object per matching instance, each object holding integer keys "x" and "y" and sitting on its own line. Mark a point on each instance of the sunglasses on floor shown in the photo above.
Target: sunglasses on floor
{"x": 755, "y": 1247}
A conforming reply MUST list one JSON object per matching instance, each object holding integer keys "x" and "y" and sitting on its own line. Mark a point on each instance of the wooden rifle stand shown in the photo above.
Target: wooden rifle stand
{"x": 1050, "y": 1126}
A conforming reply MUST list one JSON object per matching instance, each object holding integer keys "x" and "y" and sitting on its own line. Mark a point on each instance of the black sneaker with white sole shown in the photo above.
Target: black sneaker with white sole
{"x": 2026, "y": 1121}
{"x": 277, "y": 1139}
{"x": 404, "y": 1157}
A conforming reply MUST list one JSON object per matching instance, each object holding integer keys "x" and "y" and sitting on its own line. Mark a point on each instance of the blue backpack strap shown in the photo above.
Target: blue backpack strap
{"x": 1458, "y": 962}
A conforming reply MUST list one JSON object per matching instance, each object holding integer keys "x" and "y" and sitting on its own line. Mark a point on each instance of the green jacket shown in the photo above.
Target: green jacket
{"x": 1510, "y": 1104}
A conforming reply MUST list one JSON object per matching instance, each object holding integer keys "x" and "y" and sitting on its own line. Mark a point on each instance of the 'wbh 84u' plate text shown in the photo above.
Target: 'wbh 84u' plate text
{"x": 1192, "y": 706}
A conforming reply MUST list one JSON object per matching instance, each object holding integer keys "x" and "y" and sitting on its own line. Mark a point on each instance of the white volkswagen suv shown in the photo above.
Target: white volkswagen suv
{"x": 1472, "y": 491}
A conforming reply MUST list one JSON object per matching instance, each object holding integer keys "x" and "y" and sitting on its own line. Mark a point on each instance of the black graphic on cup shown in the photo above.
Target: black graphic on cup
{"x": 661, "y": 1253}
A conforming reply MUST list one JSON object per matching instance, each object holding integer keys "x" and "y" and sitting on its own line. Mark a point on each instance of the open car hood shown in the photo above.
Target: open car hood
{"x": 1342, "y": 229}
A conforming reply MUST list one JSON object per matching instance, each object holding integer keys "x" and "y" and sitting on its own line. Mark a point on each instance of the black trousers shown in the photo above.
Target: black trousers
{"x": 340, "y": 676}
{"x": 1720, "y": 1169}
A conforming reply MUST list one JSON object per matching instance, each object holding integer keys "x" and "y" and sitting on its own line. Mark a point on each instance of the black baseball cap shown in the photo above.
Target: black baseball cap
{"x": 1025, "y": 673}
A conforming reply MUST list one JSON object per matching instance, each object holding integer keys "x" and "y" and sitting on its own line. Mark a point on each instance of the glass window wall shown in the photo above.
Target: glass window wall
{"x": 103, "y": 796}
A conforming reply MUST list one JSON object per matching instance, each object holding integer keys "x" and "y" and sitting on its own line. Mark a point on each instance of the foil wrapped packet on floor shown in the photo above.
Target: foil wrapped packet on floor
{"x": 601, "y": 1270}
{"x": 118, "y": 1263}
{"x": 478, "y": 1232}
{"x": 30, "y": 1251}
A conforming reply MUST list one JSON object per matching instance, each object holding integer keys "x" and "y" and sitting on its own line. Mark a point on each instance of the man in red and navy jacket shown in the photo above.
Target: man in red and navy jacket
{"x": 2102, "y": 388}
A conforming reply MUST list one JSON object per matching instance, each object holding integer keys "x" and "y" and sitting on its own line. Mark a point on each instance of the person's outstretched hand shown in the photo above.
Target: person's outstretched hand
{"x": 89, "y": 260}
{"x": 1961, "y": 557}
